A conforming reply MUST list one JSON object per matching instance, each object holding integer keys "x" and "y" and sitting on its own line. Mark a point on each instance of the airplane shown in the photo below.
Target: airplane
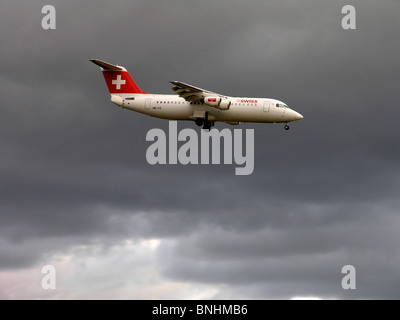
{"x": 191, "y": 103}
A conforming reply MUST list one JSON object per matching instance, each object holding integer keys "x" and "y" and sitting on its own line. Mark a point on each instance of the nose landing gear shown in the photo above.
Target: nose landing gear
{"x": 287, "y": 127}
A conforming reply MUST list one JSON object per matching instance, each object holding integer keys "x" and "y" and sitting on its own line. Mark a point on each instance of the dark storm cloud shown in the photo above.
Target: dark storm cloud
{"x": 73, "y": 167}
{"x": 284, "y": 258}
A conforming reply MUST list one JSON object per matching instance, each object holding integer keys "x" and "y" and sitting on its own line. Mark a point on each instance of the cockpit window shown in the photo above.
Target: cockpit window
{"x": 281, "y": 105}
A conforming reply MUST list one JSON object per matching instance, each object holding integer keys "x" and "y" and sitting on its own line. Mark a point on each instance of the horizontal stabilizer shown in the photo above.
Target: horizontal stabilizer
{"x": 107, "y": 66}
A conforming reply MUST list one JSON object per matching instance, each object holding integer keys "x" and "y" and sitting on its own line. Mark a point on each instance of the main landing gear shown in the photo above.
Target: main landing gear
{"x": 204, "y": 122}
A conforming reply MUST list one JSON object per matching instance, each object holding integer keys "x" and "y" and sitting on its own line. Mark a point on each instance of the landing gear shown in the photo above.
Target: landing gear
{"x": 207, "y": 124}
{"x": 287, "y": 127}
{"x": 200, "y": 122}
{"x": 204, "y": 122}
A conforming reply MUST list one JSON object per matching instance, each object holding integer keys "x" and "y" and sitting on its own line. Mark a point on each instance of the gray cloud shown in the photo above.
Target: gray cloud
{"x": 73, "y": 168}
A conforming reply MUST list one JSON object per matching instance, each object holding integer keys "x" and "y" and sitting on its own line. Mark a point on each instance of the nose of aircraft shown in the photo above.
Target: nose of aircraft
{"x": 298, "y": 116}
{"x": 295, "y": 115}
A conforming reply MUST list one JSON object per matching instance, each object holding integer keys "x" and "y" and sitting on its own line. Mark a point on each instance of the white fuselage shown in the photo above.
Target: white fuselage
{"x": 173, "y": 107}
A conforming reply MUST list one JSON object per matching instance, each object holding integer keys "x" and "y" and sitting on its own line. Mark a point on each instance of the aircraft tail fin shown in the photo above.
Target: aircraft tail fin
{"x": 118, "y": 79}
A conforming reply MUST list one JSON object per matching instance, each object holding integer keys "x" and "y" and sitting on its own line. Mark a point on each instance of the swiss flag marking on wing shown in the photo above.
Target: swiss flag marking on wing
{"x": 212, "y": 99}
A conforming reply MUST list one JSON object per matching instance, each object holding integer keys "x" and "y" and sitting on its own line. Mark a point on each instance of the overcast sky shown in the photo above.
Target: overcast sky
{"x": 76, "y": 191}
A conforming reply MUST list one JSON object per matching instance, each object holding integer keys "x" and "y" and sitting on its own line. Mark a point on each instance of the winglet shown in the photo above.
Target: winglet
{"x": 107, "y": 66}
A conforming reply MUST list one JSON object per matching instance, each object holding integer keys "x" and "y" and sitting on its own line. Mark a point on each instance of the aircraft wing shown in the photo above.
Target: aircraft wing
{"x": 191, "y": 93}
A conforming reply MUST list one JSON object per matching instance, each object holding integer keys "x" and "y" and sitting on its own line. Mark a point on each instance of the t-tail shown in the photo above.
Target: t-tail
{"x": 118, "y": 79}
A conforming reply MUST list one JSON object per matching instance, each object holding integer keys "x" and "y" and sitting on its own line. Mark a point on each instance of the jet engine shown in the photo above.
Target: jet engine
{"x": 218, "y": 102}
